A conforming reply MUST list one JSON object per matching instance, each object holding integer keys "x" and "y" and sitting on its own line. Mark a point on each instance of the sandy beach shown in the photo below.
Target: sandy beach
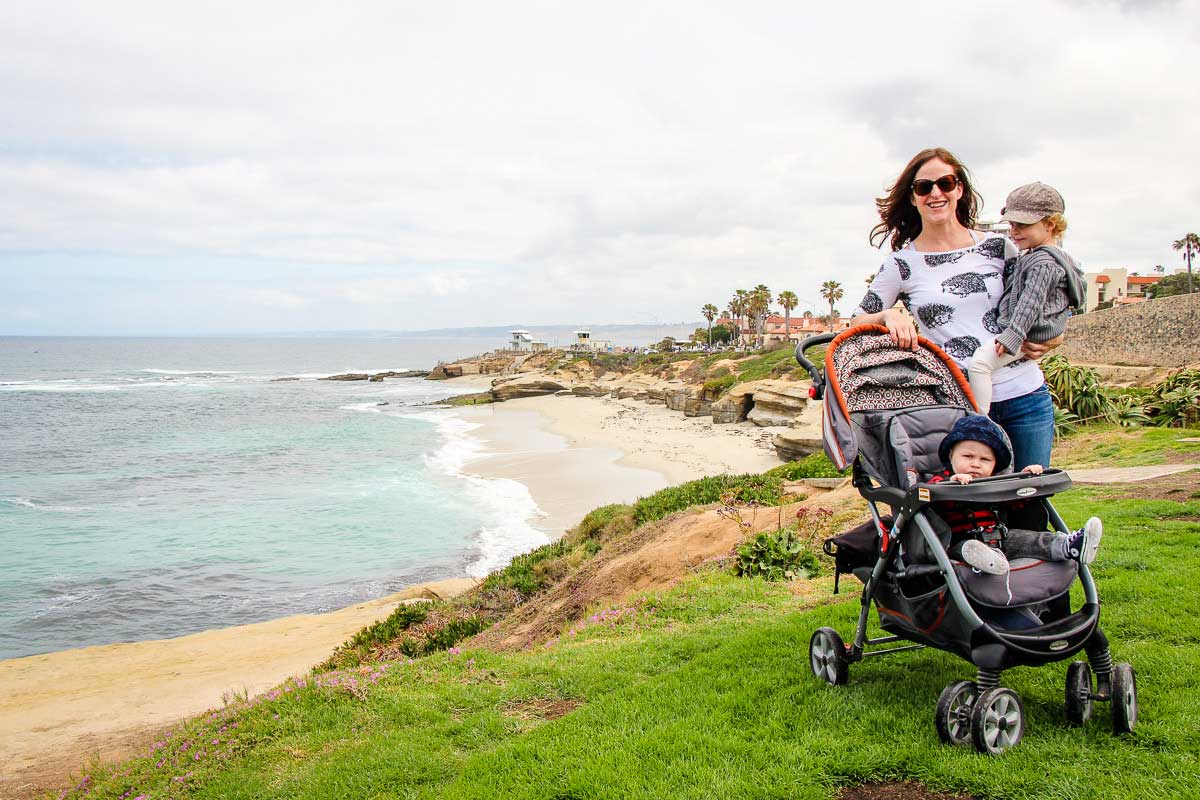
{"x": 577, "y": 453}
{"x": 59, "y": 710}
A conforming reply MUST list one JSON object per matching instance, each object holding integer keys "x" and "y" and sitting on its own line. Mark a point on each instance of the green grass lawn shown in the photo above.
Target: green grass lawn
{"x": 705, "y": 691}
{"x": 1107, "y": 445}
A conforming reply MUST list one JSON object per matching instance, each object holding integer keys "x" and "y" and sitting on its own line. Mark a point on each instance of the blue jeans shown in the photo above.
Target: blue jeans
{"x": 1029, "y": 422}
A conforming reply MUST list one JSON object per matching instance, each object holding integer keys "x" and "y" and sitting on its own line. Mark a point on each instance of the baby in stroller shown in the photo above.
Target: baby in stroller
{"x": 976, "y": 448}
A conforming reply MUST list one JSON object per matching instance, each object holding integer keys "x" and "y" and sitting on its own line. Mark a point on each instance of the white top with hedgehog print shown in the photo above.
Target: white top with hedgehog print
{"x": 953, "y": 296}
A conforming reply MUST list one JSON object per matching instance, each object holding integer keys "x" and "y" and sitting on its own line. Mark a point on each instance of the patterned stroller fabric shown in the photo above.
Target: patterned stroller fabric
{"x": 866, "y": 372}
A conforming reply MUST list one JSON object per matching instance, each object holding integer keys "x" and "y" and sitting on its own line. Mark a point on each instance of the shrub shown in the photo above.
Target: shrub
{"x": 1077, "y": 389}
{"x": 1064, "y": 422}
{"x": 715, "y": 387}
{"x": 765, "y": 489}
{"x": 356, "y": 649}
{"x": 521, "y": 575}
{"x": 604, "y": 522}
{"x": 776, "y": 555}
{"x": 816, "y": 465}
{"x": 1175, "y": 402}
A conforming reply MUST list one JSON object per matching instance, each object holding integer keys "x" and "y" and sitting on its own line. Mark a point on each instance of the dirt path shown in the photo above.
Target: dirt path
{"x": 1128, "y": 474}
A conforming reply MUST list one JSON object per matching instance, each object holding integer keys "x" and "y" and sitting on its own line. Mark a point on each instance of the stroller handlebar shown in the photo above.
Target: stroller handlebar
{"x": 818, "y": 380}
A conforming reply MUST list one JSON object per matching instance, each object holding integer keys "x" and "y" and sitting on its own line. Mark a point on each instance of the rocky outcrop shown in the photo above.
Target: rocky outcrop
{"x": 733, "y": 407}
{"x": 378, "y": 376}
{"x": 443, "y": 371}
{"x": 589, "y": 390}
{"x": 795, "y": 445}
{"x": 778, "y": 404}
{"x": 522, "y": 386}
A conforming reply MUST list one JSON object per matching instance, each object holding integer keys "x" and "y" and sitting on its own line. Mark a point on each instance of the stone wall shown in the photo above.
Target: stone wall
{"x": 1160, "y": 333}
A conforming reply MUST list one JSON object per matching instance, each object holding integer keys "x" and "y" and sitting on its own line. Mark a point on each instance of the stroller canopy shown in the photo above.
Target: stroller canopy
{"x": 865, "y": 372}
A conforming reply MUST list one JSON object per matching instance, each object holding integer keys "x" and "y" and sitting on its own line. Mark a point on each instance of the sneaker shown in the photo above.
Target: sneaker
{"x": 1083, "y": 543}
{"x": 983, "y": 558}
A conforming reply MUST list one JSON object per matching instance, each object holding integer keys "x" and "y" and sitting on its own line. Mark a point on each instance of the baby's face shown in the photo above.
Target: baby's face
{"x": 972, "y": 458}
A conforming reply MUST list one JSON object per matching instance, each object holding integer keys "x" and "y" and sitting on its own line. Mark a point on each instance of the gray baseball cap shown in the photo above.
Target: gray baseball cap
{"x": 1032, "y": 202}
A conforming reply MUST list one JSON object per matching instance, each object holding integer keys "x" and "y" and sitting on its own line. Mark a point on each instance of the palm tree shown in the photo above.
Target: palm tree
{"x": 710, "y": 313}
{"x": 743, "y": 307}
{"x": 789, "y": 301}
{"x": 1190, "y": 245}
{"x": 760, "y": 304}
{"x": 831, "y": 291}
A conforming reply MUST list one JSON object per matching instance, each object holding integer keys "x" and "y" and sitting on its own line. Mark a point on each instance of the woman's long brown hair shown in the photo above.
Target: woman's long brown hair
{"x": 899, "y": 217}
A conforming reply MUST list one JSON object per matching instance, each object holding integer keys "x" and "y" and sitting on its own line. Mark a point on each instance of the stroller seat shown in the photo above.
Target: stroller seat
{"x": 1029, "y": 581}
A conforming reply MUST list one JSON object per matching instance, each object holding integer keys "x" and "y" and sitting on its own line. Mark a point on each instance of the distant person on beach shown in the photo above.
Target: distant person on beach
{"x": 950, "y": 277}
{"x": 1039, "y": 290}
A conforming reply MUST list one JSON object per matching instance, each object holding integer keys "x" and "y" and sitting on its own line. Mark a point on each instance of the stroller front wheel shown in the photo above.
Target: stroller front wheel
{"x": 827, "y": 655}
{"x": 1079, "y": 693}
{"x": 997, "y": 721}
{"x": 1124, "y": 699}
{"x": 954, "y": 712}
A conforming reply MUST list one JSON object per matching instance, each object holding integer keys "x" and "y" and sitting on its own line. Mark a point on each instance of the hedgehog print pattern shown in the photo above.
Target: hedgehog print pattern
{"x": 967, "y": 283}
{"x": 937, "y": 259}
{"x": 961, "y": 346}
{"x": 871, "y": 303}
{"x": 934, "y": 315}
{"x": 992, "y": 248}
{"x": 991, "y": 321}
{"x": 905, "y": 269}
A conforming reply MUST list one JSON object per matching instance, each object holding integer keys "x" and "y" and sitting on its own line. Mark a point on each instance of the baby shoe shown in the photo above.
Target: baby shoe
{"x": 983, "y": 558}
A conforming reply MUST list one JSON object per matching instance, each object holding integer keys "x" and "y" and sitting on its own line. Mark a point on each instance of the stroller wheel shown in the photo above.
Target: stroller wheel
{"x": 954, "y": 712}
{"x": 1124, "y": 699}
{"x": 827, "y": 654}
{"x": 1079, "y": 693}
{"x": 997, "y": 721}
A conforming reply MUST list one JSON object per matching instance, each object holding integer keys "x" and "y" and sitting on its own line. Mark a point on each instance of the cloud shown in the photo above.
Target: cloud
{"x": 394, "y": 164}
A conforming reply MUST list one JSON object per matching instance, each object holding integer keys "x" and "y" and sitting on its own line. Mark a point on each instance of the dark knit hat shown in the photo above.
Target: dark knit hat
{"x": 977, "y": 428}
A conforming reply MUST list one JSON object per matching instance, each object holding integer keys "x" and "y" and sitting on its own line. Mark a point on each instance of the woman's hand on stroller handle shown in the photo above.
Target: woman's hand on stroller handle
{"x": 899, "y": 325}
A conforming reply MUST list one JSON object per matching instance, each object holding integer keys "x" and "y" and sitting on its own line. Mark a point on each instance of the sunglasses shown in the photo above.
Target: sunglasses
{"x": 947, "y": 183}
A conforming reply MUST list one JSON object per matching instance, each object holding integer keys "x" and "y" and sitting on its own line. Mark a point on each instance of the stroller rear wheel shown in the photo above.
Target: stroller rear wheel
{"x": 1124, "y": 699}
{"x": 954, "y": 712}
{"x": 827, "y": 655}
{"x": 1079, "y": 693}
{"x": 997, "y": 721}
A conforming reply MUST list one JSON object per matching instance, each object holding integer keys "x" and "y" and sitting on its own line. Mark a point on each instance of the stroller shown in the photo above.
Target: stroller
{"x": 885, "y": 412}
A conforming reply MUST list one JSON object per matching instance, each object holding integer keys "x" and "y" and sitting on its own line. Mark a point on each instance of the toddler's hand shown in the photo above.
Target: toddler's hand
{"x": 1033, "y": 469}
{"x": 1000, "y": 351}
{"x": 961, "y": 477}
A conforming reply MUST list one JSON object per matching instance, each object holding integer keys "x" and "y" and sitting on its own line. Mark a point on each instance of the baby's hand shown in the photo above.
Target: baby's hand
{"x": 961, "y": 477}
{"x": 1000, "y": 351}
{"x": 1033, "y": 469}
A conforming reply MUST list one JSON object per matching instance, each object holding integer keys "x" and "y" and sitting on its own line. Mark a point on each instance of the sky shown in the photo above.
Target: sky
{"x": 206, "y": 168}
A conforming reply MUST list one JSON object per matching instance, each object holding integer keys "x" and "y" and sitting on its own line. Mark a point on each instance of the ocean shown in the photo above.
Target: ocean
{"x": 151, "y": 488}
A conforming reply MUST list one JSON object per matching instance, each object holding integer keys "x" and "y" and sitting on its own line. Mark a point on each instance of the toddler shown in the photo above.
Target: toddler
{"x": 1039, "y": 289}
{"x": 976, "y": 448}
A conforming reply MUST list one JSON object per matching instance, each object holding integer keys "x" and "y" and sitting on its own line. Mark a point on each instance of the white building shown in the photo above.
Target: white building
{"x": 523, "y": 342}
{"x": 584, "y": 341}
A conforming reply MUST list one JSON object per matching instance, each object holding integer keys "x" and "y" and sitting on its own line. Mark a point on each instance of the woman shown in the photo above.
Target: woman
{"x": 950, "y": 277}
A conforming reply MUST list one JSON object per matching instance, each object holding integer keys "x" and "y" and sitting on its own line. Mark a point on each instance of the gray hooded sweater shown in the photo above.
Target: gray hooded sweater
{"x": 1039, "y": 292}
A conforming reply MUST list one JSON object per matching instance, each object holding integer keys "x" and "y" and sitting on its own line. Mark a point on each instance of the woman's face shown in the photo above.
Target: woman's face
{"x": 938, "y": 206}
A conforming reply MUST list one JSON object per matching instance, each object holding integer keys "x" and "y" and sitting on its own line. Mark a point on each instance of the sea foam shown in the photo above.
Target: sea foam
{"x": 507, "y": 506}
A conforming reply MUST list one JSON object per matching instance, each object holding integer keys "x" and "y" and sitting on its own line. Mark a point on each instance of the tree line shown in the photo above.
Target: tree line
{"x": 748, "y": 309}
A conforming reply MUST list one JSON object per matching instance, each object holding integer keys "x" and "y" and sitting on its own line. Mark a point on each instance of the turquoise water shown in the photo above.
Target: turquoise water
{"x": 156, "y": 487}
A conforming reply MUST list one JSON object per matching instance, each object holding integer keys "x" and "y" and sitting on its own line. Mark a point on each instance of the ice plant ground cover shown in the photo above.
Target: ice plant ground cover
{"x": 705, "y": 690}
